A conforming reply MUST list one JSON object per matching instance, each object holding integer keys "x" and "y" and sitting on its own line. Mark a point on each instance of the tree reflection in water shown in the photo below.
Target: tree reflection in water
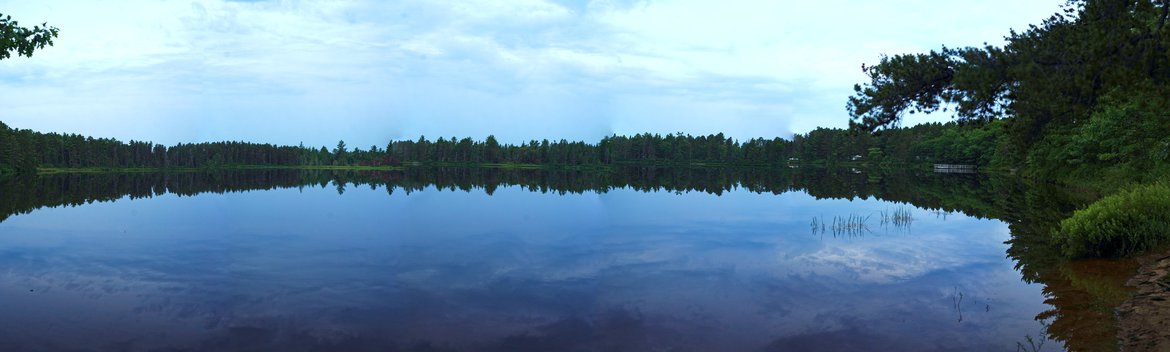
{"x": 1082, "y": 294}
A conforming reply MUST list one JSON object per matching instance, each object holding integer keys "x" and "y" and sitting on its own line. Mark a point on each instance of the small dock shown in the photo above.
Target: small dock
{"x": 954, "y": 168}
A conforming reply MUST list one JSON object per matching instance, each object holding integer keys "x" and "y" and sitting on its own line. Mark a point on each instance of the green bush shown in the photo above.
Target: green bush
{"x": 1123, "y": 138}
{"x": 1128, "y": 222}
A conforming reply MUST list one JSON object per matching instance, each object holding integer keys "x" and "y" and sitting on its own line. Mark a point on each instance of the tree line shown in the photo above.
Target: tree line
{"x": 26, "y": 150}
{"x": 23, "y": 150}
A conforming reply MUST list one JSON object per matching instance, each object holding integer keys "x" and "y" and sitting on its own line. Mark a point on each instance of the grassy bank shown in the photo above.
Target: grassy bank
{"x": 1130, "y": 221}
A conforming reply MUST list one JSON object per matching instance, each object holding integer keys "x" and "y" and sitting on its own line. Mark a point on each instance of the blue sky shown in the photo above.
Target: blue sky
{"x": 369, "y": 71}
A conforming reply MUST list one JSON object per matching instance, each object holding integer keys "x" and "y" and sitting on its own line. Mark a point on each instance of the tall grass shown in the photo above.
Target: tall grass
{"x": 853, "y": 224}
{"x": 818, "y": 225}
{"x": 1127, "y": 222}
{"x": 856, "y": 224}
{"x": 900, "y": 217}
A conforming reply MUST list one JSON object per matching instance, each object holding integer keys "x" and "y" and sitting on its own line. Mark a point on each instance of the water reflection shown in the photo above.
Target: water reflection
{"x": 632, "y": 259}
{"x": 949, "y": 193}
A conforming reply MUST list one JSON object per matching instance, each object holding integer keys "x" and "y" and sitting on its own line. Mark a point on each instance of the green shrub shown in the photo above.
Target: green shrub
{"x": 1123, "y": 138}
{"x": 1128, "y": 222}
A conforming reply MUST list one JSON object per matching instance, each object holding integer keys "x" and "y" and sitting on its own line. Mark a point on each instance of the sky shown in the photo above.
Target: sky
{"x": 367, "y": 72}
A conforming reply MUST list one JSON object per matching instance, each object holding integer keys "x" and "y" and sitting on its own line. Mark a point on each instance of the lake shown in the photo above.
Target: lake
{"x": 637, "y": 259}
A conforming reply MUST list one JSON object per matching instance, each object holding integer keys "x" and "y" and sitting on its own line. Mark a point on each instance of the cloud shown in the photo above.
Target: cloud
{"x": 367, "y": 71}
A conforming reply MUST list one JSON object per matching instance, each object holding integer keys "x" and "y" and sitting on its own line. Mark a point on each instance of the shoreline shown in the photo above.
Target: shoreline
{"x": 1143, "y": 319}
{"x": 403, "y": 166}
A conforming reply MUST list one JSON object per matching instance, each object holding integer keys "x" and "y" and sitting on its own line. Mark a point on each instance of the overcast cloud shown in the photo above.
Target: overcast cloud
{"x": 370, "y": 71}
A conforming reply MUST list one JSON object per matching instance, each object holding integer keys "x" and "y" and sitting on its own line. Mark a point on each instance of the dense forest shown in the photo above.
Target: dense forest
{"x": 26, "y": 150}
{"x": 1085, "y": 95}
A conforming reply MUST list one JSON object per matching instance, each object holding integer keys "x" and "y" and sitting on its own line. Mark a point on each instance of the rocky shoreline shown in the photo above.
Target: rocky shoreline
{"x": 1143, "y": 320}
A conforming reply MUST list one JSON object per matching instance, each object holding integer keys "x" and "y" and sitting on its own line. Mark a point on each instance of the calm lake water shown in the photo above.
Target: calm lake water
{"x": 394, "y": 262}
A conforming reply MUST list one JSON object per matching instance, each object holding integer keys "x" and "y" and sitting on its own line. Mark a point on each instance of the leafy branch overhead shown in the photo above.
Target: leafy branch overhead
{"x": 970, "y": 79}
{"x": 22, "y": 40}
{"x": 1050, "y": 73}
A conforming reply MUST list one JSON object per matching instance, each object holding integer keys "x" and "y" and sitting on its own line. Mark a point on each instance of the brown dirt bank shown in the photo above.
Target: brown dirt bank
{"x": 1143, "y": 320}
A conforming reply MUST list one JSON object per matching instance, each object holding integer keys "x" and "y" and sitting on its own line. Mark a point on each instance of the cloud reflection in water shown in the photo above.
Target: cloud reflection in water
{"x": 516, "y": 271}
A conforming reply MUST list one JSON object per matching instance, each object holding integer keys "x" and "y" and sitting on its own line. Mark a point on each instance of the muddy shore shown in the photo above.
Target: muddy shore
{"x": 1144, "y": 319}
